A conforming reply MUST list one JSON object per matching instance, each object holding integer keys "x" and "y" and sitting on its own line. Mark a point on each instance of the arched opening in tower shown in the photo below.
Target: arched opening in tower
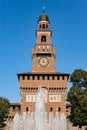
{"x": 43, "y": 39}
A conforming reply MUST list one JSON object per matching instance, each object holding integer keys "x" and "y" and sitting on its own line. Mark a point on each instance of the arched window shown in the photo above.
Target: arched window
{"x": 40, "y": 26}
{"x": 46, "y": 26}
{"x": 43, "y": 39}
{"x": 26, "y": 108}
{"x": 43, "y": 26}
{"x": 51, "y": 109}
{"x": 59, "y": 109}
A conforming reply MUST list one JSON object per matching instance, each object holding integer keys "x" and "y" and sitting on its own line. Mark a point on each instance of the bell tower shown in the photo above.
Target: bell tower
{"x": 43, "y": 53}
{"x": 43, "y": 74}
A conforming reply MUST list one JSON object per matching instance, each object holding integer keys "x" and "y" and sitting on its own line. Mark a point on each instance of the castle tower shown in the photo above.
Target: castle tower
{"x": 43, "y": 53}
{"x": 43, "y": 74}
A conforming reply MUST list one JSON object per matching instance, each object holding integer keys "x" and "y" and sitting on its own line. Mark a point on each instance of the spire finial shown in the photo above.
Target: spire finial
{"x": 43, "y": 9}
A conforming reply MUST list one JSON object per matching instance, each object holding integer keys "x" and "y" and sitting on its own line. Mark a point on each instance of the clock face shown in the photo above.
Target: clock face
{"x": 43, "y": 61}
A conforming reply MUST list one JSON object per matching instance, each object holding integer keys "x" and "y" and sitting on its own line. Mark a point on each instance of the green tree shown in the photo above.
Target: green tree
{"x": 78, "y": 98}
{"x": 4, "y": 110}
{"x": 79, "y": 78}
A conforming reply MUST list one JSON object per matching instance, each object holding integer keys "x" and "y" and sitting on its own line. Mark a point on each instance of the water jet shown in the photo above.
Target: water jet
{"x": 39, "y": 119}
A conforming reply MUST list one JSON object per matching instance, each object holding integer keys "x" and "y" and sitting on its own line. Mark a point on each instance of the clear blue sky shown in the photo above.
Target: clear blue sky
{"x": 18, "y": 22}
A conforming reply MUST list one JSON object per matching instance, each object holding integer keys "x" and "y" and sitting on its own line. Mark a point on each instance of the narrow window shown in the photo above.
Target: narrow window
{"x": 43, "y": 39}
{"x": 40, "y": 26}
{"x": 46, "y": 26}
{"x": 59, "y": 109}
{"x": 43, "y": 26}
{"x": 51, "y": 109}
{"x": 26, "y": 108}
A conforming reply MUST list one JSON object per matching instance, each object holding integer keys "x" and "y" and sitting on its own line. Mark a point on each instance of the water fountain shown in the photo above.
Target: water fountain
{"x": 38, "y": 120}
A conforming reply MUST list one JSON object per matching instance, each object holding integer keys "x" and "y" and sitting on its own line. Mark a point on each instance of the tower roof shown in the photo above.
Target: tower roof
{"x": 43, "y": 17}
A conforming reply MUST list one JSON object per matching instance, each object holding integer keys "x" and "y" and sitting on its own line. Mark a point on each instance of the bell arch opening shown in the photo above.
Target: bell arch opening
{"x": 43, "y": 38}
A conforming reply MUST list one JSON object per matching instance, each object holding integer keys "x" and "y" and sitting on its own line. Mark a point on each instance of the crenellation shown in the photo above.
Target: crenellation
{"x": 20, "y": 78}
{"x": 30, "y": 77}
{"x": 60, "y": 77}
{"x": 26, "y": 77}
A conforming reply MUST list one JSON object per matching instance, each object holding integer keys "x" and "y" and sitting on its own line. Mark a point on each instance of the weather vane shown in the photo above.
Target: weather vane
{"x": 43, "y": 9}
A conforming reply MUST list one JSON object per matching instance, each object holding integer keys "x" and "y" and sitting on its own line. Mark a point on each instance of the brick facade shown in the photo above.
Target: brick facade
{"x": 43, "y": 74}
{"x": 55, "y": 83}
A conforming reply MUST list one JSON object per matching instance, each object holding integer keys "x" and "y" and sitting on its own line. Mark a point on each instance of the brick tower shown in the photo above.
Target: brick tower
{"x": 43, "y": 74}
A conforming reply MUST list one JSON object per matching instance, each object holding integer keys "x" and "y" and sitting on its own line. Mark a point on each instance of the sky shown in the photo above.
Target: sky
{"x": 18, "y": 22}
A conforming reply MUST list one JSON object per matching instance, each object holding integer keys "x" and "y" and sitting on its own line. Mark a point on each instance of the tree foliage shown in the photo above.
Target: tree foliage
{"x": 79, "y": 78}
{"x": 78, "y": 98}
{"x": 4, "y": 110}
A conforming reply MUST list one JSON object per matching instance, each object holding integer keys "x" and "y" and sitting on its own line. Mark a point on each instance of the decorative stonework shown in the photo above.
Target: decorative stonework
{"x": 55, "y": 98}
